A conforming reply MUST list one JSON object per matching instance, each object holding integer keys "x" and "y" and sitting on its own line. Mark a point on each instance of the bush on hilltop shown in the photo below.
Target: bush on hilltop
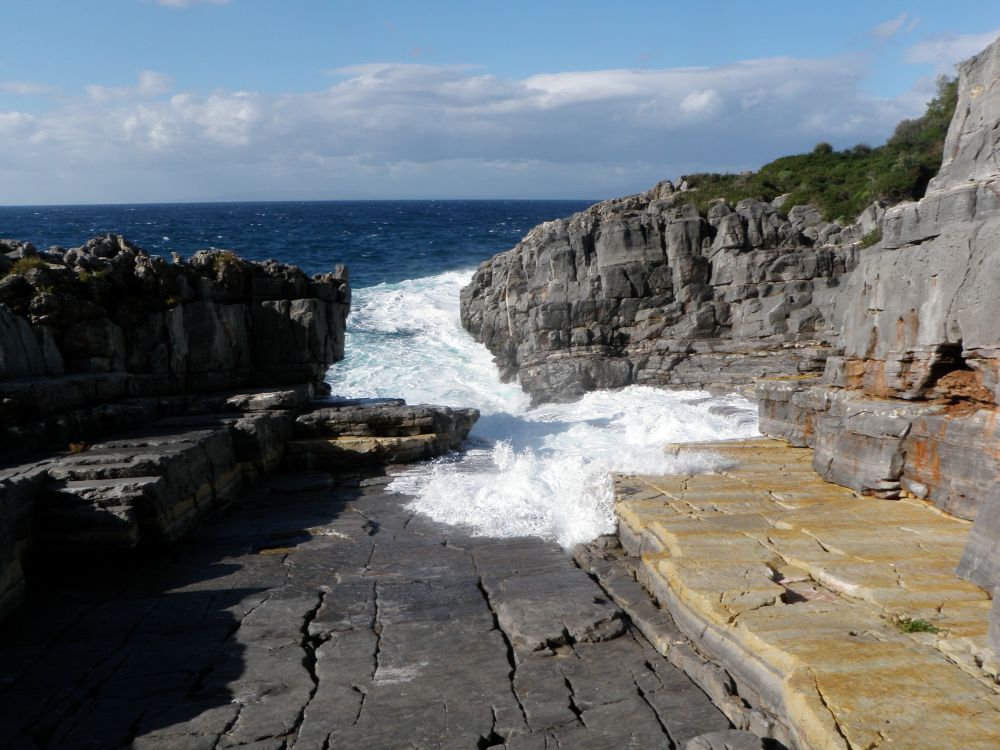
{"x": 841, "y": 184}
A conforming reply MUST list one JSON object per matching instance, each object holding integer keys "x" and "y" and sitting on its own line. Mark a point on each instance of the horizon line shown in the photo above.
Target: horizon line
{"x": 292, "y": 200}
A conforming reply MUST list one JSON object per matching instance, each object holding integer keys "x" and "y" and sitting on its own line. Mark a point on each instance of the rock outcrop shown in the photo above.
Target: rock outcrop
{"x": 911, "y": 406}
{"x": 882, "y": 356}
{"x": 645, "y": 290}
{"x": 106, "y": 336}
{"x": 153, "y": 485}
{"x": 137, "y": 396}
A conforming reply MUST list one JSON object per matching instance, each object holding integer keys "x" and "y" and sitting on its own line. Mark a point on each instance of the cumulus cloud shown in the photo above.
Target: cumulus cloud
{"x": 701, "y": 102}
{"x": 422, "y": 130}
{"x": 944, "y": 51}
{"x": 149, "y": 84}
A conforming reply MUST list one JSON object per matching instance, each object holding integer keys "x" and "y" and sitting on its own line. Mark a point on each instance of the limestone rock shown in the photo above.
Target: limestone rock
{"x": 732, "y": 739}
{"x": 376, "y": 431}
{"x": 644, "y": 290}
{"x": 119, "y": 324}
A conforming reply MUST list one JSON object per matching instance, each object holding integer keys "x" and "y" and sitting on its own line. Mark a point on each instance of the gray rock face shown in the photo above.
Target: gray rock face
{"x": 90, "y": 328}
{"x": 912, "y": 405}
{"x": 731, "y": 739}
{"x": 640, "y": 290}
{"x": 376, "y": 431}
{"x": 970, "y": 150}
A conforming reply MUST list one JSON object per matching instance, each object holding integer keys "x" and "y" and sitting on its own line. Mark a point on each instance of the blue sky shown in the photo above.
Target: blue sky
{"x": 176, "y": 100}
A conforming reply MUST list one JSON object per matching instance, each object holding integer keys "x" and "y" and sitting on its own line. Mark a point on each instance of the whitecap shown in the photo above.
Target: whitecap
{"x": 542, "y": 471}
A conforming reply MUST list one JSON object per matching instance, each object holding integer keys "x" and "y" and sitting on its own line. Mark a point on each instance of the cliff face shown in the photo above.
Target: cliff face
{"x": 107, "y": 324}
{"x": 911, "y": 408}
{"x": 644, "y": 290}
{"x": 906, "y": 333}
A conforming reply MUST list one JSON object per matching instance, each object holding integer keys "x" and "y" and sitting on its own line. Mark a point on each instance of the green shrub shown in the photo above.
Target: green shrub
{"x": 916, "y": 625}
{"x": 872, "y": 238}
{"x": 224, "y": 259}
{"x": 88, "y": 277}
{"x": 841, "y": 184}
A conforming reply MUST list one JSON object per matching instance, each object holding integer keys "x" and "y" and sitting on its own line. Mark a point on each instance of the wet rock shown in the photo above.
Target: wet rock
{"x": 379, "y": 432}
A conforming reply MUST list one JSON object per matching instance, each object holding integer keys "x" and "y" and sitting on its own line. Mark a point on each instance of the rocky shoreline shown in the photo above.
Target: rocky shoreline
{"x": 793, "y": 595}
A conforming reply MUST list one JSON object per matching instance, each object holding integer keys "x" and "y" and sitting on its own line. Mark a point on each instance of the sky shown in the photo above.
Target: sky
{"x": 133, "y": 101}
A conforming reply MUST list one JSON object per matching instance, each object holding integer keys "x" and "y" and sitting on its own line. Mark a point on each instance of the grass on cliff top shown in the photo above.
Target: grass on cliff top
{"x": 24, "y": 265}
{"x": 841, "y": 184}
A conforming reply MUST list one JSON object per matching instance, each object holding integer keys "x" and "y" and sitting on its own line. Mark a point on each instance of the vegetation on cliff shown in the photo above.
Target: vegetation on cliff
{"x": 842, "y": 183}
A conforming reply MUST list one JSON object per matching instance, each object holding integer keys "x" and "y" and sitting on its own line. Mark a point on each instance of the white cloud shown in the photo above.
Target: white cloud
{"x": 701, "y": 102}
{"x": 944, "y": 51}
{"x": 890, "y": 28}
{"x": 149, "y": 84}
{"x": 422, "y": 130}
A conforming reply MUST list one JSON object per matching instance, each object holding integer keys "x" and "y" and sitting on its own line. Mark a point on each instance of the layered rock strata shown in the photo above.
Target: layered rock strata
{"x": 838, "y": 616}
{"x": 645, "y": 290}
{"x": 328, "y": 614}
{"x": 165, "y": 388}
{"x": 155, "y": 484}
{"x": 106, "y": 336}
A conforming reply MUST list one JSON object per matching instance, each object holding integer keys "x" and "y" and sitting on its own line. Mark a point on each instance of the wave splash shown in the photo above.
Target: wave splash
{"x": 542, "y": 471}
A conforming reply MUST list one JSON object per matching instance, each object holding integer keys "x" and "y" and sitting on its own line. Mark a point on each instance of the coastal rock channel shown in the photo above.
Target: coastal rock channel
{"x": 198, "y": 549}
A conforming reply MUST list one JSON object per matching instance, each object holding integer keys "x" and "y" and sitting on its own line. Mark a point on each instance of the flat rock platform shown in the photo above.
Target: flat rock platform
{"x": 839, "y": 613}
{"x": 317, "y": 615}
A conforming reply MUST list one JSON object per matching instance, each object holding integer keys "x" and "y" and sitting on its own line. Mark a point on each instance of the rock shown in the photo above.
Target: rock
{"x": 643, "y": 290}
{"x": 731, "y": 739}
{"x": 155, "y": 484}
{"x": 378, "y": 432}
{"x": 212, "y": 324}
{"x": 973, "y": 139}
{"x": 980, "y": 562}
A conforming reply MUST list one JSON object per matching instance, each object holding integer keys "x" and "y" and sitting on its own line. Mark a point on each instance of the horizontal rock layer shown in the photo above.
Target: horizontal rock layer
{"x": 841, "y": 614}
{"x": 153, "y": 485}
{"x": 334, "y": 616}
{"x": 911, "y": 407}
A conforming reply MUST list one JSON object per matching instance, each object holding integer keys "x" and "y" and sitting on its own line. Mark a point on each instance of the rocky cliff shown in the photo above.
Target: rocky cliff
{"x": 911, "y": 405}
{"x": 108, "y": 325}
{"x": 645, "y": 290}
{"x": 881, "y": 339}
{"x": 138, "y": 396}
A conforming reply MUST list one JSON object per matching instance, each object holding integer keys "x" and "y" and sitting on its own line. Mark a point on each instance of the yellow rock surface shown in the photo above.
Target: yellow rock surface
{"x": 807, "y": 587}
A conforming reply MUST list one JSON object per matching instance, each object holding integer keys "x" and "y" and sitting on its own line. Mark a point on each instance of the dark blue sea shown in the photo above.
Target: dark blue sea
{"x": 380, "y": 241}
{"x": 542, "y": 471}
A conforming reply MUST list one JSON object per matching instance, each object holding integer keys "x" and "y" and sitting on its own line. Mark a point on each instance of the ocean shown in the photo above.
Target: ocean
{"x": 542, "y": 471}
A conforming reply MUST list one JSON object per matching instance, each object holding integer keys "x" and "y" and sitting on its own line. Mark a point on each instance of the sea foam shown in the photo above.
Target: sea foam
{"x": 542, "y": 471}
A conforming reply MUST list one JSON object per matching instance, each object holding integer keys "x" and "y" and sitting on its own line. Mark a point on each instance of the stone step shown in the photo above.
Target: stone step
{"x": 843, "y": 613}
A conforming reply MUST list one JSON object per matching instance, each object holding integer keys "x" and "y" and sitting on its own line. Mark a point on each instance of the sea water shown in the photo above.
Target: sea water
{"x": 542, "y": 471}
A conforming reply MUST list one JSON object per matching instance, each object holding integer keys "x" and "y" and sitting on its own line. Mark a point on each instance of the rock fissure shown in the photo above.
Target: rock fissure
{"x": 508, "y": 646}
{"x": 309, "y": 644}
